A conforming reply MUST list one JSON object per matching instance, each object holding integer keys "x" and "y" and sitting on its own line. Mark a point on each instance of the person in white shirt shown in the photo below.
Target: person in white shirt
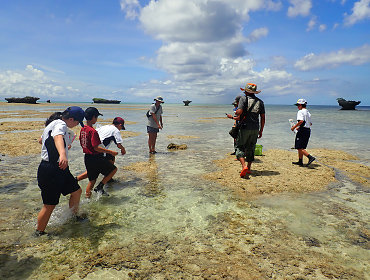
{"x": 111, "y": 134}
{"x": 303, "y": 132}
{"x": 53, "y": 175}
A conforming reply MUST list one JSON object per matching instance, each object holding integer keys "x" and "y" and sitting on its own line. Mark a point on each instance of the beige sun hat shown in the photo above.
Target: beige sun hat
{"x": 251, "y": 88}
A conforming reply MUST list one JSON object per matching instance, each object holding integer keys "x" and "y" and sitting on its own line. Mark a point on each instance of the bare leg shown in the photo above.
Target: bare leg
{"x": 82, "y": 176}
{"x": 242, "y": 161}
{"x": 151, "y": 141}
{"x": 44, "y": 216}
{"x": 89, "y": 188}
{"x": 107, "y": 178}
{"x": 74, "y": 201}
{"x": 302, "y": 152}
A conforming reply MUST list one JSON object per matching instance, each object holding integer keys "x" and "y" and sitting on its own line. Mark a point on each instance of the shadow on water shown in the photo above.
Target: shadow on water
{"x": 13, "y": 187}
{"x": 12, "y": 268}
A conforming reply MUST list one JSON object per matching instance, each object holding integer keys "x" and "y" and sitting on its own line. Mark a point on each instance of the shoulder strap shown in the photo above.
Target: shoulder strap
{"x": 245, "y": 112}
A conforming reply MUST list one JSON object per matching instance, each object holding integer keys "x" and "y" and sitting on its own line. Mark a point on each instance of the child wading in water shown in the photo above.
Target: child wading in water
{"x": 53, "y": 175}
{"x": 95, "y": 161}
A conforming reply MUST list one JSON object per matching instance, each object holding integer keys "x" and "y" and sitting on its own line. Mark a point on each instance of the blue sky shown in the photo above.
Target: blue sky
{"x": 201, "y": 50}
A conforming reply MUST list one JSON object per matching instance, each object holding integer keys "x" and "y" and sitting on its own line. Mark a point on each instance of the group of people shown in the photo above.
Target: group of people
{"x": 54, "y": 177}
{"x": 53, "y": 174}
{"x": 249, "y": 115}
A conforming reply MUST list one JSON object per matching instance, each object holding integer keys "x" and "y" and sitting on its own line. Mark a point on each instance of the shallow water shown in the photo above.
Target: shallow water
{"x": 170, "y": 223}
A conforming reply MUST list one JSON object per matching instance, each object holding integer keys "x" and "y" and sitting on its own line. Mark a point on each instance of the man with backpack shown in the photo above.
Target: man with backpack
{"x": 154, "y": 122}
{"x": 251, "y": 110}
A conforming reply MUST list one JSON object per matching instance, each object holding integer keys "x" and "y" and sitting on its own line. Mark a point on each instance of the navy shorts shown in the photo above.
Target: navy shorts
{"x": 54, "y": 181}
{"x": 96, "y": 164}
{"x": 150, "y": 129}
{"x": 302, "y": 137}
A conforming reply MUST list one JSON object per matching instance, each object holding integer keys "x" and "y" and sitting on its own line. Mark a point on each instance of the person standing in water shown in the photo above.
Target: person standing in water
{"x": 155, "y": 123}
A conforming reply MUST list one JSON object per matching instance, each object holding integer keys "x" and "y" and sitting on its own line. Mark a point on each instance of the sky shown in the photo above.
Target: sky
{"x": 199, "y": 50}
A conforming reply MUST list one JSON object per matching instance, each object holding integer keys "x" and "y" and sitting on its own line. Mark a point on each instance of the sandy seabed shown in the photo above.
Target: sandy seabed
{"x": 247, "y": 248}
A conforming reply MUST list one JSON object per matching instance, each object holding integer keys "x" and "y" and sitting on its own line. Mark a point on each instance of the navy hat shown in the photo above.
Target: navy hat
{"x": 77, "y": 113}
{"x": 92, "y": 112}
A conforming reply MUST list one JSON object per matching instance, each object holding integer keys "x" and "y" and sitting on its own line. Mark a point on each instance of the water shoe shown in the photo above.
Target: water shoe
{"x": 245, "y": 171}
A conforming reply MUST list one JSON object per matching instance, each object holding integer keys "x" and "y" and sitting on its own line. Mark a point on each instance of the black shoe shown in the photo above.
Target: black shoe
{"x": 76, "y": 218}
{"x": 310, "y": 160}
{"x": 298, "y": 163}
{"x": 112, "y": 180}
{"x": 233, "y": 154}
{"x": 39, "y": 233}
{"x": 102, "y": 192}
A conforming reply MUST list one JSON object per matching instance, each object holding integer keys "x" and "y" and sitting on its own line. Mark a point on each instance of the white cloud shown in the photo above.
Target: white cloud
{"x": 190, "y": 21}
{"x": 32, "y": 82}
{"x": 299, "y": 8}
{"x": 322, "y": 27}
{"x": 360, "y": 11}
{"x": 357, "y": 56}
{"x": 131, "y": 8}
{"x": 311, "y": 24}
{"x": 257, "y": 34}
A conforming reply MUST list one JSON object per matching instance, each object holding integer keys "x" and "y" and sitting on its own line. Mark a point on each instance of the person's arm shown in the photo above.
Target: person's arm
{"x": 123, "y": 151}
{"x": 297, "y": 125}
{"x": 263, "y": 120}
{"x": 104, "y": 150}
{"x": 59, "y": 144}
{"x": 234, "y": 118}
{"x": 239, "y": 112}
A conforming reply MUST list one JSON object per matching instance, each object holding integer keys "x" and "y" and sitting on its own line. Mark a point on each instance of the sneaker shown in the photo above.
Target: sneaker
{"x": 310, "y": 160}
{"x": 39, "y": 233}
{"x": 233, "y": 154}
{"x": 298, "y": 163}
{"x": 77, "y": 218}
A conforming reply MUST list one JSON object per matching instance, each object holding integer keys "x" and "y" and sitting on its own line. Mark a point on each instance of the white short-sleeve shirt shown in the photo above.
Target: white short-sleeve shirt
{"x": 48, "y": 149}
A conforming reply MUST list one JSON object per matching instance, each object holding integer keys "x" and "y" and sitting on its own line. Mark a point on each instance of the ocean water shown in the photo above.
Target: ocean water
{"x": 168, "y": 222}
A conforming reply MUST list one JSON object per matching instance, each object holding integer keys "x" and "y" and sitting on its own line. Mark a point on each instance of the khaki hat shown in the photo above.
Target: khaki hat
{"x": 251, "y": 88}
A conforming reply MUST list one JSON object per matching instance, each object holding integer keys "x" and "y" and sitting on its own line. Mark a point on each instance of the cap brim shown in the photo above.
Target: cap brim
{"x": 82, "y": 124}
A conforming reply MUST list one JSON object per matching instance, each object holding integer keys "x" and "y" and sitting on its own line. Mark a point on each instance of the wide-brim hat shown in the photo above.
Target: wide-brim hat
{"x": 251, "y": 88}
{"x": 301, "y": 101}
{"x": 159, "y": 98}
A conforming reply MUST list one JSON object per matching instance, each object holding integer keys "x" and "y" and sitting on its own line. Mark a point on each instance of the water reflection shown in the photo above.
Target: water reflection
{"x": 153, "y": 187}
